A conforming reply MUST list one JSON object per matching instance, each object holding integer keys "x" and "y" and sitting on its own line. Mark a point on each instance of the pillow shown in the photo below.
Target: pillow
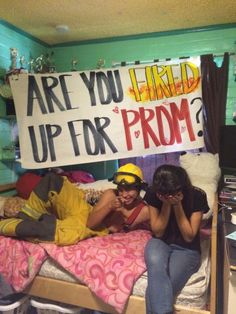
{"x": 10, "y": 206}
{"x": 2, "y": 201}
{"x": 75, "y": 176}
{"x": 92, "y": 196}
{"x": 98, "y": 185}
{"x": 26, "y": 183}
{"x": 94, "y": 190}
{"x": 204, "y": 172}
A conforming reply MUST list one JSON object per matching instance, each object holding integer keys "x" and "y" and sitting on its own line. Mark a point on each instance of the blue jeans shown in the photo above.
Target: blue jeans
{"x": 169, "y": 267}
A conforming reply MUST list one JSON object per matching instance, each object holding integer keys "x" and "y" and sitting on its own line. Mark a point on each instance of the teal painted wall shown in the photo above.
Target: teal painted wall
{"x": 154, "y": 46}
{"x": 9, "y": 38}
{"x": 144, "y": 48}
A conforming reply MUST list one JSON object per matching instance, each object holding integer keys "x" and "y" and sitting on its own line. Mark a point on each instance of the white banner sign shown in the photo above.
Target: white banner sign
{"x": 105, "y": 114}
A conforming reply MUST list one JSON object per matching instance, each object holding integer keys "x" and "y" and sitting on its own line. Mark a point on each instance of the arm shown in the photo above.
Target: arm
{"x": 188, "y": 228}
{"x": 107, "y": 203}
{"x": 159, "y": 219}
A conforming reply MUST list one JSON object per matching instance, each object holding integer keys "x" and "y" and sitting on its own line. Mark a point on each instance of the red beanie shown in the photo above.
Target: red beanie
{"x": 26, "y": 183}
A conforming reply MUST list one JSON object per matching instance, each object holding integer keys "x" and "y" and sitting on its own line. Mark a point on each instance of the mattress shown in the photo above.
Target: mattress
{"x": 194, "y": 294}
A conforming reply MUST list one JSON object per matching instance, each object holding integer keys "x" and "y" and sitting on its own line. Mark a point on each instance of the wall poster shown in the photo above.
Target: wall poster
{"x": 88, "y": 116}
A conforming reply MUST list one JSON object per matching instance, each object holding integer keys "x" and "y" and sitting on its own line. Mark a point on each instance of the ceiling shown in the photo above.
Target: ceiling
{"x": 99, "y": 19}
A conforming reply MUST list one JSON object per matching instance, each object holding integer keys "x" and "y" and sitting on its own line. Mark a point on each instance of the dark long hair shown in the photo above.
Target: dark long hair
{"x": 170, "y": 179}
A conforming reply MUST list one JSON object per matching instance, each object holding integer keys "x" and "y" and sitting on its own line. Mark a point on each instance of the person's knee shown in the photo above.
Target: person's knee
{"x": 151, "y": 249}
{"x": 48, "y": 227}
{"x": 43, "y": 229}
{"x": 53, "y": 180}
{"x": 156, "y": 262}
{"x": 150, "y": 257}
{"x": 156, "y": 255}
{"x": 50, "y": 182}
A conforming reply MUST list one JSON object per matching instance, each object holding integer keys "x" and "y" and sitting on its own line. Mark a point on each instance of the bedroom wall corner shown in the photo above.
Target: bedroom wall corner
{"x": 28, "y": 48}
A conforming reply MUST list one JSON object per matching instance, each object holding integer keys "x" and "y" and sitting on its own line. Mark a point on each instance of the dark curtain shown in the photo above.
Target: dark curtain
{"x": 214, "y": 94}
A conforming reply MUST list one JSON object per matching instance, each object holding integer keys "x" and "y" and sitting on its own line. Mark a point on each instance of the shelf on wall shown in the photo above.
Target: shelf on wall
{"x": 11, "y": 117}
{"x": 7, "y": 186}
{"x": 7, "y": 159}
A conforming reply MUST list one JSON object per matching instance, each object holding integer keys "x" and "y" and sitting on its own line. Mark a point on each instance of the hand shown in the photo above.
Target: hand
{"x": 176, "y": 199}
{"x": 171, "y": 199}
{"x": 117, "y": 203}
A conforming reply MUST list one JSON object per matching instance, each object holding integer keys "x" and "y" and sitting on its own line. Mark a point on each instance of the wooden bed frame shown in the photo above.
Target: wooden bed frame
{"x": 80, "y": 295}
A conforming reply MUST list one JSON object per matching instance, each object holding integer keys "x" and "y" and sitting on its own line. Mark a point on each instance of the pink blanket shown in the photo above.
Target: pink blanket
{"x": 108, "y": 265}
{"x": 20, "y": 261}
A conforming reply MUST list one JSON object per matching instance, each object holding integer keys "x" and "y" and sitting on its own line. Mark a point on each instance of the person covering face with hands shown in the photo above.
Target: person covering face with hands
{"x": 173, "y": 254}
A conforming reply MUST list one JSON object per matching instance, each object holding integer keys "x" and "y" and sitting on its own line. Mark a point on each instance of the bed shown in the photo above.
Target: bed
{"x": 54, "y": 283}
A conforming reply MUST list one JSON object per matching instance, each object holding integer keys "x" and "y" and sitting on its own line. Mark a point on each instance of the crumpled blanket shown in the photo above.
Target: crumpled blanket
{"x": 108, "y": 265}
{"x": 20, "y": 261}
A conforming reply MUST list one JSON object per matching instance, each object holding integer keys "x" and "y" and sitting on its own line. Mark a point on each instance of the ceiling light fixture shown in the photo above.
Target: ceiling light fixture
{"x": 62, "y": 28}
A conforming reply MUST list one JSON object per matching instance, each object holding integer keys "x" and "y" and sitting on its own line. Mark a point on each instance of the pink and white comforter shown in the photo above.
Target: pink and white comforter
{"x": 20, "y": 261}
{"x": 108, "y": 265}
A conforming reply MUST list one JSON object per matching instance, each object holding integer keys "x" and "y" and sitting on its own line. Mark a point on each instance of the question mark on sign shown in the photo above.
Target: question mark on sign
{"x": 200, "y": 133}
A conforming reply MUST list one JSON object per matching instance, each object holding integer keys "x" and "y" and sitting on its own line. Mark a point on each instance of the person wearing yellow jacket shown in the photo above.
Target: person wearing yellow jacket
{"x": 57, "y": 211}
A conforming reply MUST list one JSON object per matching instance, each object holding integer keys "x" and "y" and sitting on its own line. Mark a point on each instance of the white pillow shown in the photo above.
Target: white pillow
{"x": 204, "y": 172}
{"x": 98, "y": 185}
{"x": 94, "y": 190}
{"x": 2, "y": 201}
